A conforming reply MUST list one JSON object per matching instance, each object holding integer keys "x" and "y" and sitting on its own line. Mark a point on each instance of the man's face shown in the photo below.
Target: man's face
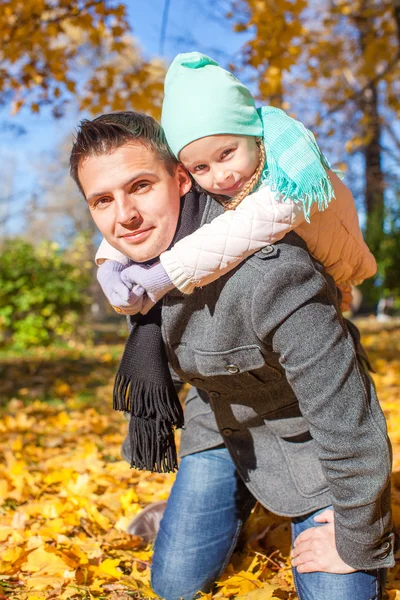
{"x": 133, "y": 199}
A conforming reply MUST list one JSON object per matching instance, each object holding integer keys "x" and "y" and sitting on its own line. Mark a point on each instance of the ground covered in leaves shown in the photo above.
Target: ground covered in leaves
{"x": 66, "y": 497}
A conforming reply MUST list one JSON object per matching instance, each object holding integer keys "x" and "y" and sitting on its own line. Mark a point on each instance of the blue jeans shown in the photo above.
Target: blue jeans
{"x": 361, "y": 585}
{"x": 205, "y": 513}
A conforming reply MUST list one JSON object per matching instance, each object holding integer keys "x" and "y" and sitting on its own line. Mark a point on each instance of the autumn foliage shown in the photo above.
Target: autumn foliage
{"x": 53, "y": 52}
{"x": 43, "y": 292}
{"x": 66, "y": 497}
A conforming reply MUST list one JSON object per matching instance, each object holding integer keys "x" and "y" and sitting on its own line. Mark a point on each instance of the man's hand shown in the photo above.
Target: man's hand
{"x": 315, "y": 548}
{"x": 153, "y": 278}
{"x": 126, "y": 299}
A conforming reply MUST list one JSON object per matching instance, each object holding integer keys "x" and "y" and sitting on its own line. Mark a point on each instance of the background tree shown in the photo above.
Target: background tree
{"x": 335, "y": 65}
{"x": 45, "y": 48}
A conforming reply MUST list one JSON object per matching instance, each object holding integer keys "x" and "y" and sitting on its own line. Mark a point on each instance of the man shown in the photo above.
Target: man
{"x": 283, "y": 412}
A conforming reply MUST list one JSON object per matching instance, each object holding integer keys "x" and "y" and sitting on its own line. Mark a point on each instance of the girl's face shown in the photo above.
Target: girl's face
{"x": 221, "y": 164}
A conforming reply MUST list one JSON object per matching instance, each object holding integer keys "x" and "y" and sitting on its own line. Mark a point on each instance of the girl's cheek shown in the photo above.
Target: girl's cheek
{"x": 196, "y": 178}
{"x": 201, "y": 181}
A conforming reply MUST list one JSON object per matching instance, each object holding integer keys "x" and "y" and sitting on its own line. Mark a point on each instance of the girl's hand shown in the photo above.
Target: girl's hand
{"x": 126, "y": 299}
{"x": 347, "y": 297}
{"x": 152, "y": 278}
{"x": 315, "y": 548}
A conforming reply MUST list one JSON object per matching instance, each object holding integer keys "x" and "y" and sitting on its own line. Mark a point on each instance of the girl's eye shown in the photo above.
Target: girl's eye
{"x": 226, "y": 152}
{"x": 199, "y": 168}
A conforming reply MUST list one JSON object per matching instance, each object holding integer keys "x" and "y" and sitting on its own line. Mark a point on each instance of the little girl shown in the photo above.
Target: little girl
{"x": 231, "y": 149}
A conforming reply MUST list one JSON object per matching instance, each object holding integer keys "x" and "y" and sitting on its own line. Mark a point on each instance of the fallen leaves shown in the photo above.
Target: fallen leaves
{"x": 66, "y": 497}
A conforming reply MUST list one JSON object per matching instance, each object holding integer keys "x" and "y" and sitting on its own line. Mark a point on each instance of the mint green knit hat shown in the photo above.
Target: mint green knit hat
{"x": 201, "y": 99}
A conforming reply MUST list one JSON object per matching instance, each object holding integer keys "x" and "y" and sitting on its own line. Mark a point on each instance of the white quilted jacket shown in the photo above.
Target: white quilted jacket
{"x": 333, "y": 237}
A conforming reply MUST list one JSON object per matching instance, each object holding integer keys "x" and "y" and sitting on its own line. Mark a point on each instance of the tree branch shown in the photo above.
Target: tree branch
{"x": 358, "y": 95}
{"x": 390, "y": 131}
{"x": 36, "y": 20}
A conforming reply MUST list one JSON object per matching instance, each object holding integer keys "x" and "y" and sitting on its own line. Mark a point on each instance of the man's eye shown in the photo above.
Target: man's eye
{"x": 199, "y": 168}
{"x": 226, "y": 152}
{"x": 102, "y": 202}
{"x": 139, "y": 186}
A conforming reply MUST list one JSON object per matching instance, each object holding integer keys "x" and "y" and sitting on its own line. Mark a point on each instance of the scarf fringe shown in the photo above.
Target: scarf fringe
{"x": 147, "y": 400}
{"x": 299, "y": 181}
{"x": 153, "y": 445}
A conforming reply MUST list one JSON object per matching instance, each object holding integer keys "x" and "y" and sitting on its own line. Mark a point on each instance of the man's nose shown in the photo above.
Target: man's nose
{"x": 126, "y": 210}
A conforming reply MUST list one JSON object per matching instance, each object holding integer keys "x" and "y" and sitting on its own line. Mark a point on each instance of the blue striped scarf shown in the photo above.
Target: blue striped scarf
{"x": 295, "y": 166}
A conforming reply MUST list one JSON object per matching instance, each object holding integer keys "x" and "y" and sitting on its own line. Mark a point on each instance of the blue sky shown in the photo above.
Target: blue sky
{"x": 195, "y": 25}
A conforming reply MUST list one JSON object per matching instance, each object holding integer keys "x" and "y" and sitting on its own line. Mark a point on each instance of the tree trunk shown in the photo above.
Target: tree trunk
{"x": 374, "y": 178}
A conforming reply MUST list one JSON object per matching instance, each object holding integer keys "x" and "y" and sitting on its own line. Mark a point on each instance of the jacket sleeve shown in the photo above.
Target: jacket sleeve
{"x": 107, "y": 252}
{"x": 296, "y": 312}
{"x": 220, "y": 246}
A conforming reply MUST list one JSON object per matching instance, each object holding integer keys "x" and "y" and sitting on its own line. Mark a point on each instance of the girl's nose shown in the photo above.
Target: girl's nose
{"x": 221, "y": 176}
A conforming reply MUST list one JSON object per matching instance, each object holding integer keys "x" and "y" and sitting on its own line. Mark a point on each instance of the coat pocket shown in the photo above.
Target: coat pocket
{"x": 304, "y": 465}
{"x": 299, "y": 449}
{"x": 286, "y": 422}
{"x": 244, "y": 365}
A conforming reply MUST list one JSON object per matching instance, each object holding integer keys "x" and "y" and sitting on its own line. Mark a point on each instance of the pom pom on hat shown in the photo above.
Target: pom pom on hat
{"x": 202, "y": 99}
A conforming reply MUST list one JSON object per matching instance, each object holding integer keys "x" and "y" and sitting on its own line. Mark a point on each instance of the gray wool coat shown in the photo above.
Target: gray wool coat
{"x": 278, "y": 377}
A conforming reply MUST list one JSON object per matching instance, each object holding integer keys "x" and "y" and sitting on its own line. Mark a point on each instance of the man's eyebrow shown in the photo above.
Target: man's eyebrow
{"x": 125, "y": 184}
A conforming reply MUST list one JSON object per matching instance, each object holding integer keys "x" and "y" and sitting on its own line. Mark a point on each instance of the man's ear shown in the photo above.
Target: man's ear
{"x": 184, "y": 179}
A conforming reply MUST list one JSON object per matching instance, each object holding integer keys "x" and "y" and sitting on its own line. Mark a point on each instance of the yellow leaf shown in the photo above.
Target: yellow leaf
{"x": 47, "y": 563}
{"x": 62, "y": 389}
{"x": 17, "y": 444}
{"x": 266, "y": 592}
{"x": 42, "y": 582}
{"x": 130, "y": 497}
{"x": 12, "y": 554}
{"x": 100, "y": 519}
{"x": 59, "y": 476}
{"x": 5, "y": 532}
{"x": 97, "y": 586}
{"x": 109, "y": 568}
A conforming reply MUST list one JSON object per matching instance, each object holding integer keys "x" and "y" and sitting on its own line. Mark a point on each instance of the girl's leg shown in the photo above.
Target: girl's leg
{"x": 361, "y": 585}
{"x": 205, "y": 513}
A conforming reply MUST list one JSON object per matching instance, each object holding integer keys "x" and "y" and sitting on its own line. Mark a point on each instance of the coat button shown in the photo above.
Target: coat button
{"x": 197, "y": 380}
{"x": 386, "y": 546}
{"x": 227, "y": 432}
{"x": 214, "y": 394}
{"x": 384, "y": 554}
{"x": 267, "y": 249}
{"x": 232, "y": 369}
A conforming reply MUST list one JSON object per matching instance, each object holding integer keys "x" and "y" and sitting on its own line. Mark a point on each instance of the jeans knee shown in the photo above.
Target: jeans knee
{"x": 161, "y": 583}
{"x": 157, "y": 583}
{"x": 165, "y": 585}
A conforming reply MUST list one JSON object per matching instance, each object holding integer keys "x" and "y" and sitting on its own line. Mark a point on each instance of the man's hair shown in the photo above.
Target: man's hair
{"x": 109, "y": 132}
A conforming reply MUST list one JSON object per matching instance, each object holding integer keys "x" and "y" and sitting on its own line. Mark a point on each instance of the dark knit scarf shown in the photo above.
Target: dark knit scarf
{"x": 143, "y": 385}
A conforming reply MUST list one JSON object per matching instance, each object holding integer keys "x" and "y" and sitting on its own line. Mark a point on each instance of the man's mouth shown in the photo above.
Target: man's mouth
{"x": 137, "y": 236}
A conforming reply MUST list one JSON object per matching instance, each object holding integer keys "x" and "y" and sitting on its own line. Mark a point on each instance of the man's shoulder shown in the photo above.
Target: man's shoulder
{"x": 280, "y": 264}
{"x": 280, "y": 276}
{"x": 289, "y": 250}
{"x": 292, "y": 248}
